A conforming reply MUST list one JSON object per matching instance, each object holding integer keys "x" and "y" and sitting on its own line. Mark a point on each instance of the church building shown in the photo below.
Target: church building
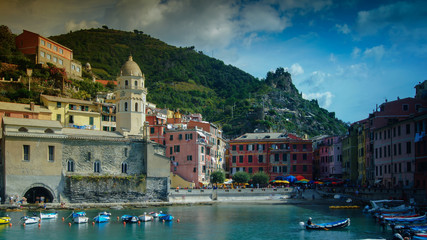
{"x": 45, "y": 162}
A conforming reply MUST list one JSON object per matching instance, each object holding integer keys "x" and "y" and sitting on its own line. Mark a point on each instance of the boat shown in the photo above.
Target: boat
{"x": 80, "y": 217}
{"x": 5, "y": 220}
{"x": 30, "y": 220}
{"x": 48, "y": 215}
{"x": 327, "y": 226}
{"x": 388, "y": 206}
{"x": 105, "y": 213}
{"x": 406, "y": 219}
{"x": 101, "y": 218}
{"x": 344, "y": 207}
{"x": 130, "y": 219}
{"x": 146, "y": 217}
{"x": 420, "y": 236}
{"x": 165, "y": 217}
{"x": 154, "y": 214}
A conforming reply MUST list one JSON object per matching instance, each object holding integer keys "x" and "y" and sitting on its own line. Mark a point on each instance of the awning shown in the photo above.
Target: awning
{"x": 378, "y": 181}
{"x": 201, "y": 134}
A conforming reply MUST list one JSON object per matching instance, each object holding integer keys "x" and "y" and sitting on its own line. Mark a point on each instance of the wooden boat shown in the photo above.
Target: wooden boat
{"x": 80, "y": 217}
{"x": 130, "y": 219}
{"x": 327, "y": 226}
{"x": 101, "y": 218}
{"x": 48, "y": 215}
{"x": 145, "y": 217}
{"x": 165, "y": 217}
{"x": 406, "y": 219}
{"x": 30, "y": 220}
{"x": 5, "y": 220}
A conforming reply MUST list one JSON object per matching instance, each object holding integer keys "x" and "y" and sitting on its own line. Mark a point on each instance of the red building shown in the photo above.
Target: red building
{"x": 157, "y": 119}
{"x": 277, "y": 154}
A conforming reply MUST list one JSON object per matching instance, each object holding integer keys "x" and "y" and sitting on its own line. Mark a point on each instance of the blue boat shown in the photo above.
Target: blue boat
{"x": 165, "y": 217}
{"x": 101, "y": 218}
{"x": 327, "y": 226}
{"x": 130, "y": 219}
{"x": 78, "y": 214}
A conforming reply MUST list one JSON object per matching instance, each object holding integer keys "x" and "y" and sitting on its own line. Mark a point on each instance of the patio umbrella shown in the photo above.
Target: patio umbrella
{"x": 304, "y": 180}
{"x": 299, "y": 177}
{"x": 291, "y": 178}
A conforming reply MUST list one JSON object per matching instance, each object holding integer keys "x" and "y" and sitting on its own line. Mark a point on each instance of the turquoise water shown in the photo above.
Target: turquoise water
{"x": 222, "y": 221}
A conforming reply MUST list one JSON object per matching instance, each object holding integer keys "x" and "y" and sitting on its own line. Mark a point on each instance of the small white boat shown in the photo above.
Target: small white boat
{"x": 154, "y": 214}
{"x": 81, "y": 219}
{"x": 145, "y": 217}
{"x": 48, "y": 215}
{"x": 30, "y": 220}
{"x": 105, "y": 213}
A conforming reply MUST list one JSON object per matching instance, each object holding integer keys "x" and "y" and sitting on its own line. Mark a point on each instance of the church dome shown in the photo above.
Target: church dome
{"x": 130, "y": 68}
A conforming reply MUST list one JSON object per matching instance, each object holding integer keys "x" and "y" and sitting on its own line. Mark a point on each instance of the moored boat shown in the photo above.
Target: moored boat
{"x": 327, "y": 226}
{"x": 5, "y": 220}
{"x": 165, "y": 217}
{"x": 80, "y": 217}
{"x": 405, "y": 219}
{"x": 30, "y": 220}
{"x": 130, "y": 219}
{"x": 145, "y": 217}
{"x": 48, "y": 215}
{"x": 101, "y": 218}
{"x": 154, "y": 214}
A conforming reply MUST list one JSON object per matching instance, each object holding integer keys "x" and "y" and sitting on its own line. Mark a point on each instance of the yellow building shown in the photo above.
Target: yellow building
{"x": 73, "y": 113}
{"x": 361, "y": 154}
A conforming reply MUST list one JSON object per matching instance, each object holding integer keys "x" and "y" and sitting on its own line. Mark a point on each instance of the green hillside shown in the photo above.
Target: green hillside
{"x": 188, "y": 80}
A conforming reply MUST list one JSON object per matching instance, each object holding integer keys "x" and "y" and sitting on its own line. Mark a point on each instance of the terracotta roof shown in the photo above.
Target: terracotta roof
{"x": 105, "y": 82}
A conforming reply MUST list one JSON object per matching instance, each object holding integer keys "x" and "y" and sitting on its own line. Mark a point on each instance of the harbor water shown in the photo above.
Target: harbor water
{"x": 218, "y": 221}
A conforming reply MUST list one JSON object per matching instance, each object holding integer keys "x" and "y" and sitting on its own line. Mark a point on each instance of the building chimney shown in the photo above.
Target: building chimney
{"x": 32, "y": 106}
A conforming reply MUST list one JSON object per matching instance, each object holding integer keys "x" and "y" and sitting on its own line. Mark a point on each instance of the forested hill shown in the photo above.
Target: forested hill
{"x": 188, "y": 80}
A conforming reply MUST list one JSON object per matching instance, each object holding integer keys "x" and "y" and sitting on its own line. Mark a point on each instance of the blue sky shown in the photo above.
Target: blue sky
{"x": 350, "y": 55}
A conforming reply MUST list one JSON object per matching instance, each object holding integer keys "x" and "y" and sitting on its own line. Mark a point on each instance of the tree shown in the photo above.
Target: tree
{"x": 241, "y": 177}
{"x": 217, "y": 177}
{"x": 260, "y": 178}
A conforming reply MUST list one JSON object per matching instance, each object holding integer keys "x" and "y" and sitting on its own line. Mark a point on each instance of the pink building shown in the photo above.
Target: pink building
{"x": 393, "y": 132}
{"x": 190, "y": 154}
{"x": 330, "y": 157}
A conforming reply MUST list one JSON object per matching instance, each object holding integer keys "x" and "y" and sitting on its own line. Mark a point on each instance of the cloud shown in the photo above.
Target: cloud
{"x": 324, "y": 99}
{"x": 296, "y": 69}
{"x": 406, "y": 13}
{"x": 376, "y": 52}
{"x": 332, "y": 58}
{"x": 343, "y": 28}
{"x": 356, "y": 52}
{"x": 316, "y": 79}
{"x": 73, "y": 26}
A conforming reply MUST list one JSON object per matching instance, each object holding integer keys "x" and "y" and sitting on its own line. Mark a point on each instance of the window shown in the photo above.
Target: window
{"x": 194, "y": 169}
{"x": 126, "y": 106}
{"x": 408, "y": 147}
{"x": 399, "y": 148}
{"x": 304, "y": 168}
{"x": 61, "y": 51}
{"x": 176, "y": 148}
{"x": 7, "y": 114}
{"x": 250, "y": 159}
{"x": 408, "y": 129}
{"x": 89, "y": 156}
{"x": 405, "y": 107}
{"x": 49, "y": 45}
{"x": 260, "y": 169}
{"x": 190, "y": 158}
{"x": 55, "y": 59}
{"x": 171, "y": 137}
{"x": 285, "y": 157}
{"x": 151, "y": 130}
{"x": 260, "y": 158}
{"x": 90, "y": 120}
{"x": 26, "y": 152}
{"x": 58, "y": 104}
{"x": 51, "y": 150}
{"x": 295, "y": 146}
{"x": 48, "y": 56}
{"x": 48, "y": 130}
{"x": 22, "y": 129}
{"x": 136, "y": 83}
{"x": 60, "y": 61}
{"x": 276, "y": 157}
{"x": 180, "y": 136}
{"x": 136, "y": 107}
{"x": 304, "y": 156}
{"x": 126, "y": 152}
{"x": 241, "y": 147}
{"x": 294, "y": 157}
{"x": 284, "y": 169}
{"x": 250, "y": 170}
{"x": 70, "y": 166}
{"x": 42, "y": 42}
{"x": 124, "y": 167}
{"x": 233, "y": 148}
{"x": 240, "y": 159}
{"x": 189, "y": 136}
{"x": 71, "y": 119}
{"x": 294, "y": 168}
{"x": 96, "y": 167}
{"x": 234, "y": 159}
{"x": 408, "y": 167}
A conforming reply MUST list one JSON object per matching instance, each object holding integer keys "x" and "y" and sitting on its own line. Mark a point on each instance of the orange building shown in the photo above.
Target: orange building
{"x": 43, "y": 50}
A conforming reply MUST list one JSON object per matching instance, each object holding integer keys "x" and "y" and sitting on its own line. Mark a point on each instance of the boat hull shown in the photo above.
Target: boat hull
{"x": 80, "y": 219}
{"x": 5, "y": 220}
{"x": 327, "y": 226}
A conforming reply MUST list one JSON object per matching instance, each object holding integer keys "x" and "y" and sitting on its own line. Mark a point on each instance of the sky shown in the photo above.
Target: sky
{"x": 350, "y": 55}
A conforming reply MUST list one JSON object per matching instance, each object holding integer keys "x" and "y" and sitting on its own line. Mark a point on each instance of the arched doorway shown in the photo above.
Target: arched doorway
{"x": 38, "y": 195}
